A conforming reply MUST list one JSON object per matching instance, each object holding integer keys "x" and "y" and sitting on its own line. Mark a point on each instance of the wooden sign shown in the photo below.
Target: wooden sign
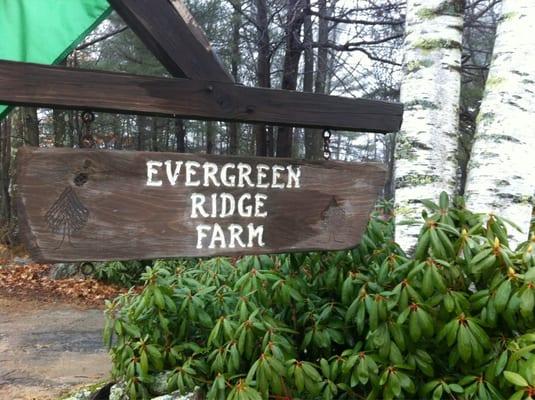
{"x": 76, "y": 205}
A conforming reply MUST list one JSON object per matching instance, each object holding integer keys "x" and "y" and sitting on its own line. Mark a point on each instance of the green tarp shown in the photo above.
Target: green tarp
{"x": 45, "y": 31}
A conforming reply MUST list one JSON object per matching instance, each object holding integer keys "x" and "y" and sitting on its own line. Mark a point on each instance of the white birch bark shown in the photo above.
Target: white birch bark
{"x": 501, "y": 171}
{"x": 426, "y": 148}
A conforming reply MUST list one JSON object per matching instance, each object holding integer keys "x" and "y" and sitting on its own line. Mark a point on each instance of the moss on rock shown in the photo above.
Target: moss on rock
{"x": 416, "y": 180}
{"x": 447, "y": 7}
{"x": 432, "y": 44}
{"x": 414, "y": 66}
{"x": 494, "y": 81}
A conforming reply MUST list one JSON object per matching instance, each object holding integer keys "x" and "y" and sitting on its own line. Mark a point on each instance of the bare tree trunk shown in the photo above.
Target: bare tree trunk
{"x": 263, "y": 69}
{"x": 5, "y": 164}
{"x": 501, "y": 170}
{"x": 180, "y": 134}
{"x": 167, "y": 135}
{"x": 234, "y": 139}
{"x": 129, "y": 132}
{"x": 154, "y": 146}
{"x": 323, "y": 52}
{"x": 426, "y": 152}
{"x": 308, "y": 79}
{"x": 141, "y": 132}
{"x": 72, "y": 133}
{"x": 270, "y": 141}
{"x": 60, "y": 127}
{"x": 234, "y": 127}
{"x": 261, "y": 140}
{"x": 59, "y": 120}
{"x": 30, "y": 126}
{"x": 294, "y": 23}
{"x": 314, "y": 140}
{"x": 210, "y": 136}
{"x": 330, "y": 61}
{"x": 116, "y": 132}
{"x": 77, "y": 127}
{"x": 390, "y": 150}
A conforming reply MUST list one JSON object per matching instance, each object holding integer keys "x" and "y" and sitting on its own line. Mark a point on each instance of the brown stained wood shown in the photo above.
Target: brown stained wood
{"x": 50, "y": 86}
{"x": 113, "y": 214}
{"x": 167, "y": 29}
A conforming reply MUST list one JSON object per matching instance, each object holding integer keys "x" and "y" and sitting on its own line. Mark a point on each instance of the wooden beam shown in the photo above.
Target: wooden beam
{"x": 170, "y": 32}
{"x": 50, "y": 86}
{"x": 76, "y": 205}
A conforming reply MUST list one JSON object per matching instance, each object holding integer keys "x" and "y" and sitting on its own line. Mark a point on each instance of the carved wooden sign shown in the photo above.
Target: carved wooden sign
{"x": 76, "y": 205}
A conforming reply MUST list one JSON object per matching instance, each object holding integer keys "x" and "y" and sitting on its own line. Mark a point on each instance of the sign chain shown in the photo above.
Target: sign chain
{"x": 327, "y": 144}
{"x": 88, "y": 141}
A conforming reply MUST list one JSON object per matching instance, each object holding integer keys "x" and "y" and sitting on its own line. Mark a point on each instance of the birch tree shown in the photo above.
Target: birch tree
{"x": 426, "y": 145}
{"x": 501, "y": 170}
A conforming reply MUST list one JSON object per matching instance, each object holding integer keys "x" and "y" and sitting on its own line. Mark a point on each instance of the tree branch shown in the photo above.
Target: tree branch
{"x": 355, "y": 21}
{"x": 355, "y": 46}
{"x": 101, "y": 38}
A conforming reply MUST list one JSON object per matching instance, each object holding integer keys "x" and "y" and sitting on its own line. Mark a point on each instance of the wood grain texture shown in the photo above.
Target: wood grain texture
{"x": 50, "y": 86}
{"x": 117, "y": 216}
{"x": 170, "y": 32}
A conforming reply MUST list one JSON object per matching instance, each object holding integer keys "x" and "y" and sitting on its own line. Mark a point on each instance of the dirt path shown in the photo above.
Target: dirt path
{"x": 48, "y": 348}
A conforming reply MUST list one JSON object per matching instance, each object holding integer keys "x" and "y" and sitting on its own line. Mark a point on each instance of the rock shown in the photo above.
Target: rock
{"x": 95, "y": 392}
{"x": 118, "y": 392}
{"x": 102, "y": 393}
{"x": 177, "y": 396}
{"x": 21, "y": 261}
{"x": 159, "y": 385}
{"x": 63, "y": 270}
{"x": 84, "y": 394}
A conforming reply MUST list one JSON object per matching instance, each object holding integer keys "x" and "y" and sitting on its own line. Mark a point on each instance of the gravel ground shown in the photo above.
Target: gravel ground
{"x": 47, "y": 349}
